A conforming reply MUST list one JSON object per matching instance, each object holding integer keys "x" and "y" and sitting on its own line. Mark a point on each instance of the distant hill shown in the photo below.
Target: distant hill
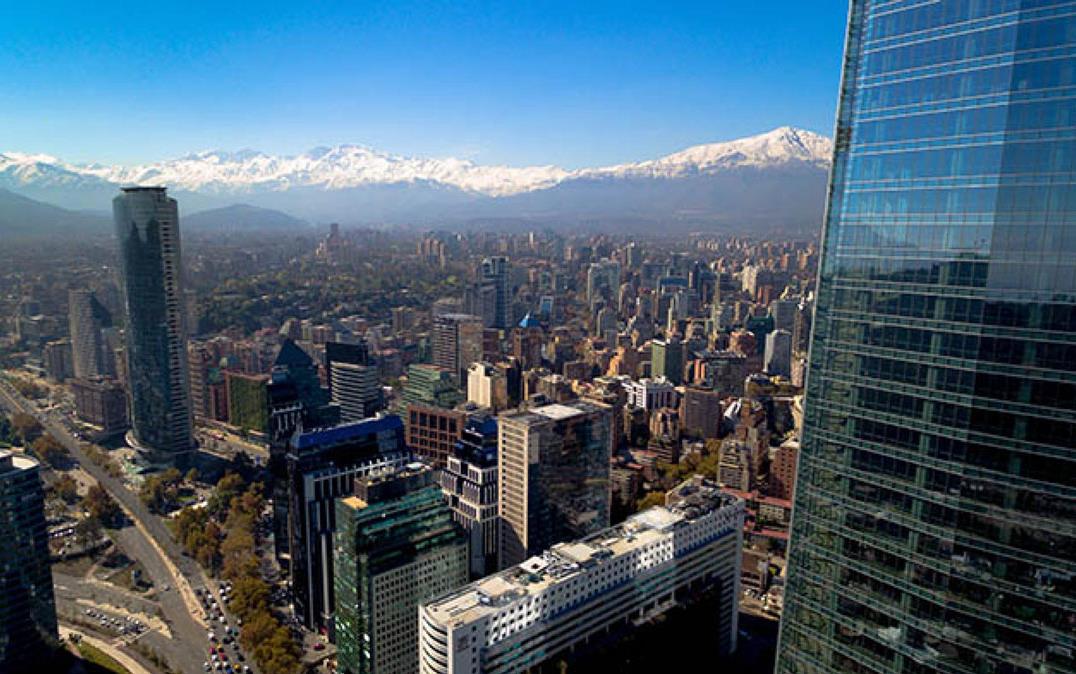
{"x": 22, "y": 217}
{"x": 239, "y": 218}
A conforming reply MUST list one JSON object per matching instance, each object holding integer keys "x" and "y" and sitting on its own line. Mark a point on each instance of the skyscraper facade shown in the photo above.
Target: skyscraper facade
{"x": 147, "y": 226}
{"x": 495, "y": 273}
{"x": 457, "y": 342}
{"x": 934, "y": 528}
{"x": 553, "y": 476}
{"x": 27, "y": 605}
{"x": 87, "y": 321}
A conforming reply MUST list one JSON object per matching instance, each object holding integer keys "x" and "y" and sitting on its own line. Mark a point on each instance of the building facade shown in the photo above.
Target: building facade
{"x": 87, "y": 322}
{"x": 469, "y": 483}
{"x": 934, "y": 527}
{"x": 147, "y": 227}
{"x": 457, "y": 342}
{"x": 27, "y": 605}
{"x": 613, "y": 580}
{"x": 102, "y": 403}
{"x": 395, "y": 548}
{"x": 322, "y": 466}
{"x": 553, "y": 476}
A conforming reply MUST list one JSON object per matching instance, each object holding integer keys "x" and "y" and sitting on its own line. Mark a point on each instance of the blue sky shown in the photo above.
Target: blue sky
{"x": 575, "y": 83}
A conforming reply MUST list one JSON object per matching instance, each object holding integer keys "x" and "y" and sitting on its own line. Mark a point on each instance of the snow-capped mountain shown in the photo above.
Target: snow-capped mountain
{"x": 347, "y": 166}
{"x": 342, "y": 181}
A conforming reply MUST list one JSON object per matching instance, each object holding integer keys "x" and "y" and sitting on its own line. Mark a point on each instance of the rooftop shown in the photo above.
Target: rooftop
{"x": 689, "y": 501}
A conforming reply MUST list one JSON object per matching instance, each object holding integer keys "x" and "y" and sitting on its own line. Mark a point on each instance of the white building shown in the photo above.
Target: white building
{"x": 614, "y": 579}
{"x": 487, "y": 386}
{"x": 650, "y": 394}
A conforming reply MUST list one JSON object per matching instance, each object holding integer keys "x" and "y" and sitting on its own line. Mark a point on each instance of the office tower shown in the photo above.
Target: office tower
{"x": 353, "y": 380}
{"x": 59, "y": 360}
{"x": 783, "y": 313}
{"x": 603, "y": 282}
{"x": 604, "y": 586}
{"x": 200, "y": 370}
{"x": 295, "y": 399}
{"x": 469, "y": 483}
{"x": 801, "y": 331}
{"x": 778, "y": 356}
{"x": 322, "y": 465}
{"x": 487, "y": 387}
{"x": 27, "y": 605}
{"x": 457, "y": 342}
{"x": 553, "y": 476}
{"x": 87, "y": 320}
{"x": 432, "y": 386}
{"x": 934, "y": 527}
{"x": 496, "y": 273}
{"x": 147, "y": 226}
{"x": 396, "y": 547}
{"x": 700, "y": 412}
{"x": 102, "y": 403}
{"x": 667, "y": 359}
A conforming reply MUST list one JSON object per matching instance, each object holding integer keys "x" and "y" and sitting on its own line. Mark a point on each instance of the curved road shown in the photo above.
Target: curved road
{"x": 184, "y": 619}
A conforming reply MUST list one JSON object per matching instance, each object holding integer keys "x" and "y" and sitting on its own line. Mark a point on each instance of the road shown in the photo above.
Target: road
{"x": 159, "y": 556}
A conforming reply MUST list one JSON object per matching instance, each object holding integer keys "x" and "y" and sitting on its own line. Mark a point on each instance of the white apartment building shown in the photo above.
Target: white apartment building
{"x": 650, "y": 394}
{"x": 614, "y": 579}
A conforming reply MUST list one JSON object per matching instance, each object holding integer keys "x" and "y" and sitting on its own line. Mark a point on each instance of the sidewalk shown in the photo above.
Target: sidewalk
{"x": 119, "y": 656}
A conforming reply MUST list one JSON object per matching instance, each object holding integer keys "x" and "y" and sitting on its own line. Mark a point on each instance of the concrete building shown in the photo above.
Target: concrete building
{"x": 553, "y": 476}
{"x": 650, "y": 394}
{"x": 667, "y": 359}
{"x": 700, "y": 413}
{"x": 432, "y": 432}
{"x": 27, "y": 605}
{"x": 782, "y": 477}
{"x": 147, "y": 226}
{"x": 432, "y": 386}
{"x": 59, "y": 360}
{"x": 487, "y": 386}
{"x": 457, "y": 342}
{"x": 396, "y": 547}
{"x": 102, "y": 403}
{"x": 609, "y": 582}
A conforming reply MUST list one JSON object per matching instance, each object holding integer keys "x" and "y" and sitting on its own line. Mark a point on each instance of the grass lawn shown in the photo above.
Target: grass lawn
{"x": 100, "y": 658}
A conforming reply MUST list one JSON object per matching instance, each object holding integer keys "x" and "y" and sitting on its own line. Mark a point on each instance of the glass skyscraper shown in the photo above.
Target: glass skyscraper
{"x": 147, "y": 226}
{"x": 935, "y": 512}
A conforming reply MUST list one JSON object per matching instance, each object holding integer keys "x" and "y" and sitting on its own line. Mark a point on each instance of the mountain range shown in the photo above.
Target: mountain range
{"x": 775, "y": 180}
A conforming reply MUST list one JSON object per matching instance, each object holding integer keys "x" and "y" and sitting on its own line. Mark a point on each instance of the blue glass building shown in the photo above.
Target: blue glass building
{"x": 147, "y": 227}
{"x": 935, "y": 512}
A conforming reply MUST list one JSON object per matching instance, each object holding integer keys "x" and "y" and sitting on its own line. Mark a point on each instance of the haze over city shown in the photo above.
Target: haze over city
{"x": 505, "y": 338}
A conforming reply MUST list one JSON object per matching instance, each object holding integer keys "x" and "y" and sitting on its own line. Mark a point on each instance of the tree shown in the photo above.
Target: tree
{"x": 229, "y": 486}
{"x": 100, "y": 504}
{"x": 26, "y": 427}
{"x": 192, "y": 476}
{"x": 65, "y": 488}
{"x": 654, "y": 498}
{"x": 88, "y": 531}
{"x": 49, "y": 450}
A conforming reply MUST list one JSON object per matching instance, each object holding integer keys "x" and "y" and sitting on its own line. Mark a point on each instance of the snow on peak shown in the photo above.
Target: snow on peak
{"x": 347, "y": 166}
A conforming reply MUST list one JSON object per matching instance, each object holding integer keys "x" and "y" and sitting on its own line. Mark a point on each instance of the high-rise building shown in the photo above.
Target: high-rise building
{"x": 700, "y": 412}
{"x": 431, "y": 385}
{"x": 667, "y": 359}
{"x": 457, "y": 342}
{"x": 147, "y": 226}
{"x": 396, "y": 547}
{"x": 778, "y": 355}
{"x": 59, "y": 360}
{"x": 354, "y": 383}
{"x": 607, "y": 584}
{"x": 487, "y": 386}
{"x": 934, "y": 526}
{"x": 553, "y": 474}
{"x": 323, "y": 465}
{"x": 248, "y": 402}
{"x": 496, "y": 272}
{"x": 469, "y": 482}
{"x": 603, "y": 283}
{"x": 87, "y": 320}
{"x": 27, "y": 605}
